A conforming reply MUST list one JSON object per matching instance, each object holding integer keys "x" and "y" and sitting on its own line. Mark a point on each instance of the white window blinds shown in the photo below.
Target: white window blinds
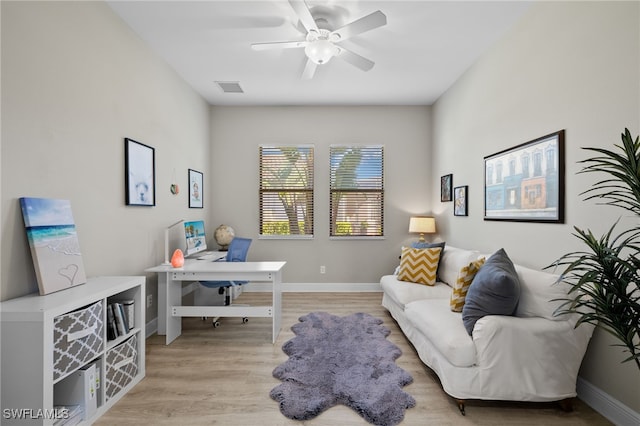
{"x": 357, "y": 191}
{"x": 286, "y": 190}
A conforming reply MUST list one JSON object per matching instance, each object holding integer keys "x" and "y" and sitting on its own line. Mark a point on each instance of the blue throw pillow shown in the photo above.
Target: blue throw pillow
{"x": 495, "y": 290}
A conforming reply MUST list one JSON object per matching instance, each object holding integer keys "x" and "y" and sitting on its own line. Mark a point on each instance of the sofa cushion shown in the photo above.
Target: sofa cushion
{"x": 424, "y": 245}
{"x": 495, "y": 290}
{"x": 419, "y": 265}
{"x": 460, "y": 288}
{"x": 402, "y": 292}
{"x": 444, "y": 329}
{"x": 538, "y": 289}
{"x": 453, "y": 259}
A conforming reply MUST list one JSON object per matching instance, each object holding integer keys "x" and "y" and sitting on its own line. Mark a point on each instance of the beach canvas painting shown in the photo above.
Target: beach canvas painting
{"x": 55, "y": 248}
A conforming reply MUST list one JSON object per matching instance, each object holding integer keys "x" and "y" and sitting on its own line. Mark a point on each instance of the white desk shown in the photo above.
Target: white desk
{"x": 170, "y": 309}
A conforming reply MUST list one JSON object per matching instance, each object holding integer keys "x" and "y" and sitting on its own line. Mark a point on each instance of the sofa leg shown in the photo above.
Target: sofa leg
{"x": 566, "y": 405}
{"x": 461, "y": 406}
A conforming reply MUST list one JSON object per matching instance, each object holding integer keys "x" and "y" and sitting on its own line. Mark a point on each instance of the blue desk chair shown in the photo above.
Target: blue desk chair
{"x": 237, "y": 252}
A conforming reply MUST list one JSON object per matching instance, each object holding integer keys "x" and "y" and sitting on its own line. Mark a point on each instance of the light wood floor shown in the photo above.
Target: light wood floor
{"x": 223, "y": 376}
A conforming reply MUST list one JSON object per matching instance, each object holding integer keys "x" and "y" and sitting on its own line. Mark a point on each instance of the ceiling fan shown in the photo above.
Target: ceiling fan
{"x": 321, "y": 41}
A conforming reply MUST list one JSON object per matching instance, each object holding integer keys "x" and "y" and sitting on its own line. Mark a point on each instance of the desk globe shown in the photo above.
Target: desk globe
{"x": 223, "y": 235}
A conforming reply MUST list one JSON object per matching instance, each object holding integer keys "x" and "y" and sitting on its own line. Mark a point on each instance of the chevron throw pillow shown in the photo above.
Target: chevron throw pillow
{"x": 419, "y": 265}
{"x": 465, "y": 277}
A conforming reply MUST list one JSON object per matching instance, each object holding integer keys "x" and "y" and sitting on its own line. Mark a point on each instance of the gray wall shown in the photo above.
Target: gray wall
{"x": 236, "y": 133}
{"x": 75, "y": 82}
{"x": 572, "y": 66}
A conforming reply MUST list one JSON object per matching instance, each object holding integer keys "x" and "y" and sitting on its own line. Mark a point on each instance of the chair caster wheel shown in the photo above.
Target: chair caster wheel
{"x": 245, "y": 320}
{"x": 216, "y": 324}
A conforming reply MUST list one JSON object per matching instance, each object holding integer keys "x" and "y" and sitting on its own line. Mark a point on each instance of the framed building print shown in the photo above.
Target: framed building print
{"x": 445, "y": 187}
{"x": 526, "y": 183}
{"x": 195, "y": 189}
{"x": 460, "y": 200}
{"x": 140, "y": 174}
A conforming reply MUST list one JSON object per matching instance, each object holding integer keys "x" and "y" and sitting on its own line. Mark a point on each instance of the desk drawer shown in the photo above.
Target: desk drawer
{"x": 77, "y": 339}
{"x": 122, "y": 366}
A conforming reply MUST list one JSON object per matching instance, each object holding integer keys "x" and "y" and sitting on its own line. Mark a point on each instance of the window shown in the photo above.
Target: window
{"x": 551, "y": 159}
{"x": 357, "y": 191}
{"x": 525, "y": 165}
{"x": 512, "y": 166}
{"x": 286, "y": 191}
{"x": 537, "y": 163}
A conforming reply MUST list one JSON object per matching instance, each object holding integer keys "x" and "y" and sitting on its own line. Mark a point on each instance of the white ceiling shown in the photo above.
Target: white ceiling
{"x": 423, "y": 49}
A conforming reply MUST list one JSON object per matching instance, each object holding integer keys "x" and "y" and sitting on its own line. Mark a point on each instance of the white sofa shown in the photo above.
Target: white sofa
{"x": 531, "y": 356}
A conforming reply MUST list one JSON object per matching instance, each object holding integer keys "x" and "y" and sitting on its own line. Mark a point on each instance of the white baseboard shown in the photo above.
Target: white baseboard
{"x": 317, "y": 287}
{"x": 151, "y": 327}
{"x": 614, "y": 410}
{"x": 189, "y": 288}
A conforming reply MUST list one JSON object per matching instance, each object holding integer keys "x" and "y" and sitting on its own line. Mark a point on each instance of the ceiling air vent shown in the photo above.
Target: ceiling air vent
{"x": 230, "y": 86}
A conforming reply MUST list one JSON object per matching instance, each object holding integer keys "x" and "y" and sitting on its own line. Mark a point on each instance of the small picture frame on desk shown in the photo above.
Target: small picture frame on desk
{"x": 195, "y": 189}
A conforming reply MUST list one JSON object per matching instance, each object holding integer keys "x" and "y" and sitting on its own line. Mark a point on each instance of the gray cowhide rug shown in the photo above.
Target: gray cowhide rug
{"x": 342, "y": 360}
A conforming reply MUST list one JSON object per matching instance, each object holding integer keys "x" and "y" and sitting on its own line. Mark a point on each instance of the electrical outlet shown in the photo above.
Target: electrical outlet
{"x": 323, "y": 270}
{"x": 149, "y": 300}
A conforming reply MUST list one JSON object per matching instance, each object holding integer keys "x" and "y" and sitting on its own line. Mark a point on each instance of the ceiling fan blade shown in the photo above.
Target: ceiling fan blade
{"x": 309, "y": 70}
{"x": 302, "y": 10}
{"x": 278, "y": 45}
{"x": 356, "y": 60}
{"x": 366, "y": 23}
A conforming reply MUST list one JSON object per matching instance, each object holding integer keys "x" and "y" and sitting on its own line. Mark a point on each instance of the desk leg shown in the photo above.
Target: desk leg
{"x": 277, "y": 306}
{"x": 174, "y": 298}
{"x": 162, "y": 303}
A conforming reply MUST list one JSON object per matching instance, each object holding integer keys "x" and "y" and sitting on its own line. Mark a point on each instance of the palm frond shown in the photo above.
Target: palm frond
{"x": 622, "y": 188}
{"x": 604, "y": 282}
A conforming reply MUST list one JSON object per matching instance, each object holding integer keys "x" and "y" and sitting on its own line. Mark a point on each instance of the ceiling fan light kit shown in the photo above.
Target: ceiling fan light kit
{"x": 320, "y": 48}
{"x": 320, "y": 41}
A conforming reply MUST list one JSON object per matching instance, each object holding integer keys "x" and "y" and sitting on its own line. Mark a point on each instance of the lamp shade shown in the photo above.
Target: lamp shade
{"x": 422, "y": 225}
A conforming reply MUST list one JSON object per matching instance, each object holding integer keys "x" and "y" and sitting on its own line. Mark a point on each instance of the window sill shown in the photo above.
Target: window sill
{"x": 285, "y": 237}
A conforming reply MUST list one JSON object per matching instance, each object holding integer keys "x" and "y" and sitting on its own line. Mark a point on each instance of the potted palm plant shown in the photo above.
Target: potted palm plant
{"x": 605, "y": 278}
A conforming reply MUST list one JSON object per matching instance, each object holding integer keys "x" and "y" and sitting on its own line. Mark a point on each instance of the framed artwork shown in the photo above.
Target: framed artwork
{"x": 526, "y": 183}
{"x": 445, "y": 187}
{"x": 195, "y": 189}
{"x": 140, "y": 174}
{"x": 460, "y": 201}
{"x": 54, "y": 244}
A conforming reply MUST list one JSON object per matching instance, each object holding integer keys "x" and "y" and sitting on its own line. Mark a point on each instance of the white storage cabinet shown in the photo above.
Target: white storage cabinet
{"x": 45, "y": 339}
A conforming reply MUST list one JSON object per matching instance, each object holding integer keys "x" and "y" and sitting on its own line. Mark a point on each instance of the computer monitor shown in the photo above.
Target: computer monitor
{"x": 195, "y": 236}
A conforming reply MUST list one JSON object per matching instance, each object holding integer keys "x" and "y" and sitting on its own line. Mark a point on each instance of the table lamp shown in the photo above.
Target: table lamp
{"x": 166, "y": 242}
{"x": 422, "y": 225}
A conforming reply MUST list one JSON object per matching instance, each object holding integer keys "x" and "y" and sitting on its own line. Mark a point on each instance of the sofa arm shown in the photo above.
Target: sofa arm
{"x": 544, "y": 354}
